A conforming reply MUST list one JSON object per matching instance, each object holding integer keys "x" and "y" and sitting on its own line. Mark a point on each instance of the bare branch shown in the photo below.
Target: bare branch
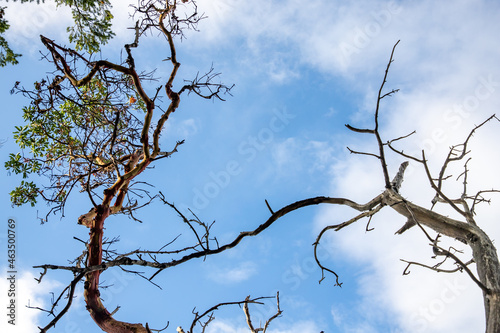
{"x": 437, "y": 189}
{"x": 362, "y": 153}
{"x": 478, "y": 199}
{"x": 276, "y": 315}
{"x": 269, "y": 207}
{"x": 268, "y": 321}
{"x": 209, "y": 312}
{"x": 455, "y": 155}
{"x": 359, "y": 130}
{"x": 375, "y": 131}
{"x": 337, "y": 227}
{"x": 71, "y": 292}
{"x": 439, "y": 251}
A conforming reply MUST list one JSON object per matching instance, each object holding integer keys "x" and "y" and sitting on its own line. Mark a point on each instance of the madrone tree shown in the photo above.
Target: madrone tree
{"x": 93, "y": 126}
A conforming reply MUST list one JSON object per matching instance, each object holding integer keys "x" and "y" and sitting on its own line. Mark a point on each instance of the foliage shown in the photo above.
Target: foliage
{"x": 92, "y": 23}
{"x": 75, "y": 139}
{"x": 25, "y": 193}
{"x": 91, "y": 29}
{"x": 7, "y": 56}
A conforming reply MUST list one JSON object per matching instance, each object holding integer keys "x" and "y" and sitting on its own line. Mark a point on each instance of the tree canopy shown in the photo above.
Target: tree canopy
{"x": 91, "y": 29}
{"x": 6, "y": 54}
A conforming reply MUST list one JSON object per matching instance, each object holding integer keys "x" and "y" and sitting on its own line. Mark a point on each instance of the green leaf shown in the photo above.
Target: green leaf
{"x": 92, "y": 26}
{"x": 27, "y": 192}
{"x": 7, "y": 56}
{"x": 91, "y": 29}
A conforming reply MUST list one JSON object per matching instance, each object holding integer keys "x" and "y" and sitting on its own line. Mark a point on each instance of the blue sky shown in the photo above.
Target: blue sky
{"x": 302, "y": 70}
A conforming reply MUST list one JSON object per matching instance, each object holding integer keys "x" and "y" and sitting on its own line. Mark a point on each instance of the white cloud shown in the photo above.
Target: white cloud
{"x": 28, "y": 292}
{"x": 35, "y": 20}
{"x": 182, "y": 129}
{"x": 279, "y": 71}
{"x": 274, "y": 327}
{"x": 284, "y": 154}
{"x": 307, "y": 326}
{"x": 327, "y": 35}
{"x": 449, "y": 83}
{"x": 122, "y": 22}
{"x": 424, "y": 301}
{"x": 294, "y": 156}
{"x": 51, "y": 20}
{"x": 241, "y": 272}
{"x": 224, "y": 327}
{"x": 354, "y": 40}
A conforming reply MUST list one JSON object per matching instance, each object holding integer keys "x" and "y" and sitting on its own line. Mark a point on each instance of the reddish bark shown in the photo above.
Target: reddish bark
{"x": 97, "y": 310}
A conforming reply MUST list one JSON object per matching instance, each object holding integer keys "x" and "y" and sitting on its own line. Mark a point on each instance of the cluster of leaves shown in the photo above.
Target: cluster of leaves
{"x": 79, "y": 139}
{"x": 25, "y": 193}
{"x": 92, "y": 27}
{"x": 92, "y": 23}
{"x": 6, "y": 54}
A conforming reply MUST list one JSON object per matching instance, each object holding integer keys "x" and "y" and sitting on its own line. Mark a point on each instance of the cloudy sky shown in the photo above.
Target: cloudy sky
{"x": 301, "y": 69}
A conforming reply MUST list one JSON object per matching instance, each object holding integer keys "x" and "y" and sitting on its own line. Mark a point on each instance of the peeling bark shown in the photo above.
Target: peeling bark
{"x": 97, "y": 311}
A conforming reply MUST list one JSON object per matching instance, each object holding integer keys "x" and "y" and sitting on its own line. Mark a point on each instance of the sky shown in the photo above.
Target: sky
{"x": 301, "y": 71}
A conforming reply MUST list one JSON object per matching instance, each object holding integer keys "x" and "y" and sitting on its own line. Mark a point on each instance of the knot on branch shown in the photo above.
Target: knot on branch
{"x": 172, "y": 95}
{"x": 125, "y": 261}
{"x": 86, "y": 219}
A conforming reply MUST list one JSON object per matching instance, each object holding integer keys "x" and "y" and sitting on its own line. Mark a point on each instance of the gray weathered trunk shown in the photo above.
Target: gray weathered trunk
{"x": 483, "y": 250}
{"x": 488, "y": 269}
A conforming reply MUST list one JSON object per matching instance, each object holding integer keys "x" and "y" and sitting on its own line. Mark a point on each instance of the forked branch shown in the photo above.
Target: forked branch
{"x": 375, "y": 130}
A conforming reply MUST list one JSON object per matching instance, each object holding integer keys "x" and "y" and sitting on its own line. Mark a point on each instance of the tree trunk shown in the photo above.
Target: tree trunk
{"x": 97, "y": 310}
{"x": 492, "y": 303}
{"x": 483, "y": 250}
{"x": 488, "y": 269}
